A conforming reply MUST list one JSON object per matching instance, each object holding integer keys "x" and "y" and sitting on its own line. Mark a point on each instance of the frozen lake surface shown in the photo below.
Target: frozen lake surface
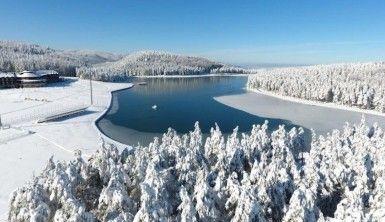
{"x": 321, "y": 119}
{"x": 180, "y": 102}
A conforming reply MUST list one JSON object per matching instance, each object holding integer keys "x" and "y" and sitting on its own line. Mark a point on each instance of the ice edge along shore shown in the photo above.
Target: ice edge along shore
{"x": 316, "y": 103}
{"x": 119, "y": 145}
{"x": 106, "y": 105}
{"x": 105, "y": 137}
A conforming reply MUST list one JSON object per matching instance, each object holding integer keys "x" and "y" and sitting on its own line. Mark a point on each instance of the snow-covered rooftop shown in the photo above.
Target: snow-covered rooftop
{"x": 29, "y": 74}
{"x": 46, "y": 72}
{"x": 7, "y": 74}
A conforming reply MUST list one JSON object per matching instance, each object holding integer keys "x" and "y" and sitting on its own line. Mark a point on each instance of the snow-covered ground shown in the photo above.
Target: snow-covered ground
{"x": 319, "y": 103}
{"x": 26, "y": 146}
{"x": 321, "y": 117}
{"x": 351, "y": 84}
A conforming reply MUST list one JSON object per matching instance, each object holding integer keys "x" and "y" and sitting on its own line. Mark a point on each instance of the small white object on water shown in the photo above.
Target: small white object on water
{"x": 154, "y": 107}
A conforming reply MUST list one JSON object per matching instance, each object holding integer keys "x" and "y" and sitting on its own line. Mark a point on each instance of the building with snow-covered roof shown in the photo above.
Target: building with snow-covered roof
{"x": 28, "y": 78}
{"x": 49, "y": 75}
{"x": 31, "y": 79}
{"x": 46, "y": 72}
{"x": 8, "y": 80}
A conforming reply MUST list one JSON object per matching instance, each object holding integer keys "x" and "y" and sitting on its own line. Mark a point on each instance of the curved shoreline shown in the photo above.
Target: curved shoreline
{"x": 122, "y": 135}
{"x": 120, "y": 145}
{"x": 102, "y": 135}
{"x": 316, "y": 103}
{"x": 57, "y": 138}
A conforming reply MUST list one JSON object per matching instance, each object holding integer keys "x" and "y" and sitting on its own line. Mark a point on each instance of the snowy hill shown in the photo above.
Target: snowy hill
{"x": 18, "y": 56}
{"x": 354, "y": 84}
{"x": 146, "y": 63}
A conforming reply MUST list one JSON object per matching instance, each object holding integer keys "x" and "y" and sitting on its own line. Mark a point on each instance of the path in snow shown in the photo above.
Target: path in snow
{"x": 22, "y": 155}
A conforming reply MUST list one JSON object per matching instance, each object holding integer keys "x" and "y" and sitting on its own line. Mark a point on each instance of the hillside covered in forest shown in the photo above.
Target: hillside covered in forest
{"x": 351, "y": 84}
{"x": 149, "y": 63}
{"x": 18, "y": 56}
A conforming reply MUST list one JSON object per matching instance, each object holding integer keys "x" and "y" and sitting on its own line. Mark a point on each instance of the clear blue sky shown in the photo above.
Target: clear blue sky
{"x": 250, "y": 32}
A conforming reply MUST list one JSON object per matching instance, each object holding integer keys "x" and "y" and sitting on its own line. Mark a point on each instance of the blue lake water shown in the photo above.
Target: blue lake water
{"x": 180, "y": 103}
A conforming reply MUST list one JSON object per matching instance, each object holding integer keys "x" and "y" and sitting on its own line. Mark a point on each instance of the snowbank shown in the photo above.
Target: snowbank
{"x": 318, "y": 103}
{"x": 321, "y": 117}
{"x": 21, "y": 156}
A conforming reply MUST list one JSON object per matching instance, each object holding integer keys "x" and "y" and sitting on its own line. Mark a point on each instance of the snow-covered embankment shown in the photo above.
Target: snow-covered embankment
{"x": 24, "y": 154}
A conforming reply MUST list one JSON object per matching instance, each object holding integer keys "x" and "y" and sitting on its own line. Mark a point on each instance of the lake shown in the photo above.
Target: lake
{"x": 180, "y": 102}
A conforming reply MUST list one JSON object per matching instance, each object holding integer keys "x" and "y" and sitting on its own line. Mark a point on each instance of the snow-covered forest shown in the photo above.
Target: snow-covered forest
{"x": 148, "y": 63}
{"x": 360, "y": 85}
{"x": 259, "y": 176}
{"x": 18, "y": 56}
{"x": 231, "y": 69}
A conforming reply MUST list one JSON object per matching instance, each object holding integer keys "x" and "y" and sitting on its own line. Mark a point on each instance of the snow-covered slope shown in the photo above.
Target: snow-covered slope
{"x": 252, "y": 177}
{"x": 360, "y": 85}
{"x": 18, "y": 56}
{"x": 145, "y": 63}
{"x": 26, "y": 145}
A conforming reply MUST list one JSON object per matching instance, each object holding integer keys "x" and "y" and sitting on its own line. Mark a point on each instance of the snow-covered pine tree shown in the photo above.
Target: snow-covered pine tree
{"x": 353, "y": 84}
{"x": 253, "y": 176}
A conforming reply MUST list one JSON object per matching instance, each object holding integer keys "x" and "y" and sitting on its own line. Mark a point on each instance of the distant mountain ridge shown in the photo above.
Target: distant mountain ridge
{"x": 17, "y": 56}
{"x": 145, "y": 63}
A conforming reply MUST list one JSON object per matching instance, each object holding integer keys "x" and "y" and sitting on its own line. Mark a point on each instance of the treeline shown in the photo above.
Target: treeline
{"x": 259, "y": 176}
{"x": 18, "y": 56}
{"x": 148, "y": 63}
{"x": 360, "y": 85}
{"x": 231, "y": 69}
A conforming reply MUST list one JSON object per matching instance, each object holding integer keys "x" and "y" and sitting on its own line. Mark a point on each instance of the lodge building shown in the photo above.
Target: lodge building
{"x": 28, "y": 79}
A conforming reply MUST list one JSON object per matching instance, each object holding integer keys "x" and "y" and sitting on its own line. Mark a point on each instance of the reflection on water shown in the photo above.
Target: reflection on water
{"x": 180, "y": 103}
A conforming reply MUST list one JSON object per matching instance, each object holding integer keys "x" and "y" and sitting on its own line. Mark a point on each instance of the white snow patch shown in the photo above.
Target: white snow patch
{"x": 323, "y": 118}
{"x": 26, "y": 146}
